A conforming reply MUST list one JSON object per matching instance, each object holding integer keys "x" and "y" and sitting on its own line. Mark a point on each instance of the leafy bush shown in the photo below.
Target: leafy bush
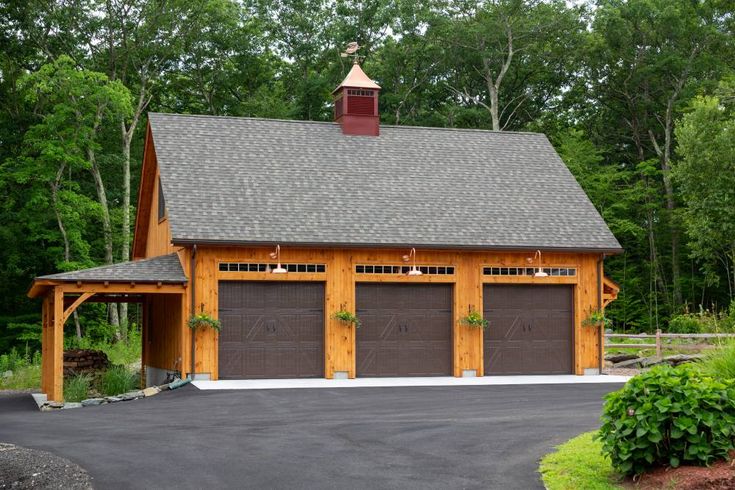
{"x": 703, "y": 321}
{"x": 668, "y": 416}
{"x": 117, "y": 380}
{"x": 720, "y": 362}
{"x": 686, "y": 324}
{"x": 76, "y": 388}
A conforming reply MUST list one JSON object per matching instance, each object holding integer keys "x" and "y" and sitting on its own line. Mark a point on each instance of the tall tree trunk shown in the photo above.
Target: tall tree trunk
{"x": 106, "y": 224}
{"x": 664, "y": 155}
{"x": 128, "y": 131}
{"x": 62, "y": 229}
{"x": 125, "y": 249}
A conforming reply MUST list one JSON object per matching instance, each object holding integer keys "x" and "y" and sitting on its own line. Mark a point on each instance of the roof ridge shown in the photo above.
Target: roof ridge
{"x": 333, "y": 123}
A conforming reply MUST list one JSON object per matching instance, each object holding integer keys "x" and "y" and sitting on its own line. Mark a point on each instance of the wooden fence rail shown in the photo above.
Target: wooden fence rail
{"x": 659, "y": 336}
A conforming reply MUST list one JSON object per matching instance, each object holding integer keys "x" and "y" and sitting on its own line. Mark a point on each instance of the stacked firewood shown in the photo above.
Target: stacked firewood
{"x": 80, "y": 361}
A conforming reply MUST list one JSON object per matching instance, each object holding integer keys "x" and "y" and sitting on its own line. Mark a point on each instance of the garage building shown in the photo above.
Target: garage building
{"x": 274, "y": 226}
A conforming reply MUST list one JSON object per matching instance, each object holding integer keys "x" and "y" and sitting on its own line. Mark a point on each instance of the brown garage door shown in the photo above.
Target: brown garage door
{"x": 530, "y": 329}
{"x": 406, "y": 329}
{"x": 271, "y": 330}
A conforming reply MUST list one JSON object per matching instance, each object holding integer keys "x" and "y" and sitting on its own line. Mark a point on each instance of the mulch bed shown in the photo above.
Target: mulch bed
{"x": 719, "y": 476}
{"x": 22, "y": 468}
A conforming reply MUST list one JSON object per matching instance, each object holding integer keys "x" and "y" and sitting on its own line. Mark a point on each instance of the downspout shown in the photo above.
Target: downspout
{"x": 193, "y": 270}
{"x": 600, "y": 340}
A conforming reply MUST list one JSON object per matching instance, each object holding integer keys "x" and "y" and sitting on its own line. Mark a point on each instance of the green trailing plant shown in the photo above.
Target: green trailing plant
{"x": 202, "y": 320}
{"x": 347, "y": 317}
{"x": 76, "y": 388}
{"x": 597, "y": 318}
{"x": 474, "y": 319}
{"x": 117, "y": 380}
{"x": 668, "y": 417}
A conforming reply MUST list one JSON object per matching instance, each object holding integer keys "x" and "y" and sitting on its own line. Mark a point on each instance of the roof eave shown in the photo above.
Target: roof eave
{"x": 41, "y": 284}
{"x": 186, "y": 242}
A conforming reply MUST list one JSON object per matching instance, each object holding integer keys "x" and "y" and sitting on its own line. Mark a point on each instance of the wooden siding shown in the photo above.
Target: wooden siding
{"x": 159, "y": 232}
{"x": 340, "y": 279}
{"x": 152, "y": 236}
{"x": 162, "y": 336}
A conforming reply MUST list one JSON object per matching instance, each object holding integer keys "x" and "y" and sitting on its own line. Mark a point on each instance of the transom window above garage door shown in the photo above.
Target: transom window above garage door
{"x": 528, "y": 271}
{"x": 441, "y": 270}
{"x": 258, "y": 267}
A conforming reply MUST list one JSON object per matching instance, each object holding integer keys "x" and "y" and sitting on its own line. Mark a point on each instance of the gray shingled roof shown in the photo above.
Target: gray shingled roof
{"x": 165, "y": 269}
{"x": 246, "y": 180}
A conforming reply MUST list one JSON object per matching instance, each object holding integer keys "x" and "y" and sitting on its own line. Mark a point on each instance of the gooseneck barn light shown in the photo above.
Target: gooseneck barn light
{"x": 539, "y": 272}
{"x": 277, "y": 257}
{"x": 413, "y": 271}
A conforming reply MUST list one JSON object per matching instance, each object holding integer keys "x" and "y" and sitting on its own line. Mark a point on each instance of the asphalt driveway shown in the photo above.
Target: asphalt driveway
{"x": 426, "y": 437}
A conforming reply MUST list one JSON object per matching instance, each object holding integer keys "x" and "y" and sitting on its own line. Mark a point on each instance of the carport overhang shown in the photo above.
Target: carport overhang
{"x": 63, "y": 293}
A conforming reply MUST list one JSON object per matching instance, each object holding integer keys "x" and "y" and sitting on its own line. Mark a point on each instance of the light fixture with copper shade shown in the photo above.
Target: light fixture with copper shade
{"x": 277, "y": 257}
{"x": 539, "y": 272}
{"x": 413, "y": 271}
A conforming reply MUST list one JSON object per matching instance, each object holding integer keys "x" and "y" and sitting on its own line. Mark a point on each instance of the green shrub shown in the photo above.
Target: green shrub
{"x": 687, "y": 323}
{"x": 720, "y": 362}
{"x": 76, "y": 388}
{"x": 117, "y": 380}
{"x": 14, "y": 360}
{"x": 668, "y": 416}
{"x": 126, "y": 352}
{"x": 703, "y": 321}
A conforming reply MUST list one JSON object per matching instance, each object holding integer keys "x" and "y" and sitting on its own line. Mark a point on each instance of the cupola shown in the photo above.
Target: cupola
{"x": 356, "y": 104}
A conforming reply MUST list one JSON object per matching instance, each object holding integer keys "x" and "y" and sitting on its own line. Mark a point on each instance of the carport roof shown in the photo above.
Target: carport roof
{"x": 164, "y": 269}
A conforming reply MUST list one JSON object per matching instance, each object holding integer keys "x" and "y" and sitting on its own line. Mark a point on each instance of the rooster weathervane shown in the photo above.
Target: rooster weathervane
{"x": 351, "y": 52}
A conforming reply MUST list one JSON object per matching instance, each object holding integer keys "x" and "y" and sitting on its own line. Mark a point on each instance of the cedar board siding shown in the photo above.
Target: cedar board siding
{"x": 162, "y": 335}
{"x": 340, "y": 280}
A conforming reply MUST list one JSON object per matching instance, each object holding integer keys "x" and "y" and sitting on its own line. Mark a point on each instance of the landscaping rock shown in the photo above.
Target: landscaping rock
{"x": 113, "y": 399}
{"x": 616, "y": 358}
{"x": 677, "y": 359}
{"x": 90, "y": 402}
{"x": 69, "y": 405}
{"x": 131, "y": 395}
{"x": 631, "y": 363}
{"x": 48, "y": 406}
{"x": 151, "y": 390}
{"x": 7, "y": 374}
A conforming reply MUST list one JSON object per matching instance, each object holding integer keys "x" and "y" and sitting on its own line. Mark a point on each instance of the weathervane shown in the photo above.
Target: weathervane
{"x": 351, "y": 52}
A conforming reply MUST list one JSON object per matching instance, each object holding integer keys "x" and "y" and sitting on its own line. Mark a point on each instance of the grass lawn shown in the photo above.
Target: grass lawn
{"x": 578, "y": 464}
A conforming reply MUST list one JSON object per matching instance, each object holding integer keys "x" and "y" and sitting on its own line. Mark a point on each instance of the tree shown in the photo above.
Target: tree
{"x": 510, "y": 57}
{"x": 642, "y": 60}
{"x": 706, "y": 176}
{"x": 72, "y": 105}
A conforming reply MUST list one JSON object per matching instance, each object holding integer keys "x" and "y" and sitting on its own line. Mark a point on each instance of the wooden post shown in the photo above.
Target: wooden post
{"x": 53, "y": 346}
{"x": 658, "y": 344}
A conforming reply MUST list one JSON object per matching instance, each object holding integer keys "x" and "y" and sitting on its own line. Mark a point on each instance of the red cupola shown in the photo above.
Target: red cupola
{"x": 356, "y": 104}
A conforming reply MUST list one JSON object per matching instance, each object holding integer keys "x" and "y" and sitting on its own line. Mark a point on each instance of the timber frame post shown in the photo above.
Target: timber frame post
{"x": 52, "y": 345}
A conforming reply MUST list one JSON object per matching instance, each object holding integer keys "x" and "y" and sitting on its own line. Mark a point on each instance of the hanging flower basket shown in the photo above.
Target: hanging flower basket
{"x": 202, "y": 320}
{"x": 347, "y": 317}
{"x": 597, "y": 318}
{"x": 474, "y": 319}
